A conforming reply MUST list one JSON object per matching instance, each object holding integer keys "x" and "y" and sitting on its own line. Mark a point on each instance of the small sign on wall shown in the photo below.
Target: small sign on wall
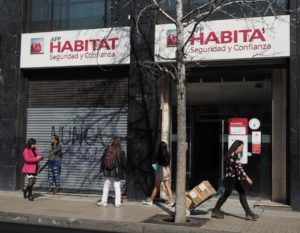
{"x": 256, "y": 142}
{"x": 238, "y": 130}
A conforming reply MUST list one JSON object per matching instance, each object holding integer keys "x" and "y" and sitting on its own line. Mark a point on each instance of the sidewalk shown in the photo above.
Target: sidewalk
{"x": 81, "y": 211}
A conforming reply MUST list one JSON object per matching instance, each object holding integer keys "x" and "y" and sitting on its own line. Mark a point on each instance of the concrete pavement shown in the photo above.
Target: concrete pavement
{"x": 81, "y": 211}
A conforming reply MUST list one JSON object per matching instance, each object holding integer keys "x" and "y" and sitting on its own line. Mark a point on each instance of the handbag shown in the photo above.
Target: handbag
{"x": 155, "y": 167}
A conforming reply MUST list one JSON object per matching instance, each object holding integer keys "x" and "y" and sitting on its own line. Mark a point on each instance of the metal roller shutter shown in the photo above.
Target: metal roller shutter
{"x": 85, "y": 114}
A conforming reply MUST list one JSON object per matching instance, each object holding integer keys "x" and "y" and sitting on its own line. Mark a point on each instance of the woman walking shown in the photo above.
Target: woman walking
{"x": 163, "y": 175}
{"x": 30, "y": 168}
{"x": 234, "y": 175}
{"x": 54, "y": 164}
{"x": 113, "y": 167}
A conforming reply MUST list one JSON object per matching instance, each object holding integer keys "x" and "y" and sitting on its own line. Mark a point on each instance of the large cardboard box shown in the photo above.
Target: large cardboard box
{"x": 188, "y": 202}
{"x": 205, "y": 190}
{"x": 195, "y": 197}
{"x": 201, "y": 192}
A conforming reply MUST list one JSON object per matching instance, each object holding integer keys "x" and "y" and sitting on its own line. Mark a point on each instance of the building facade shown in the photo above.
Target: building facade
{"x": 80, "y": 69}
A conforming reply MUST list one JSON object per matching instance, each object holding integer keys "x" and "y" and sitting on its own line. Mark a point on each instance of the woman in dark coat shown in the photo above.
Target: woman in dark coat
{"x": 54, "y": 164}
{"x": 234, "y": 175}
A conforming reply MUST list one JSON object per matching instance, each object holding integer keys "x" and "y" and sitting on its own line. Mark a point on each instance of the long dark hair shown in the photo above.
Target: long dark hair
{"x": 236, "y": 144}
{"x": 56, "y": 138}
{"x": 163, "y": 155}
{"x": 31, "y": 141}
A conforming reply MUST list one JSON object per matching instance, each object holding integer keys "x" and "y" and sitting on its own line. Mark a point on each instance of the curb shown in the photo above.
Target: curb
{"x": 86, "y": 224}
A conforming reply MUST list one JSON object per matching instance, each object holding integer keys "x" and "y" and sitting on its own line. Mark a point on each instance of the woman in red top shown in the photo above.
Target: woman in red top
{"x": 30, "y": 168}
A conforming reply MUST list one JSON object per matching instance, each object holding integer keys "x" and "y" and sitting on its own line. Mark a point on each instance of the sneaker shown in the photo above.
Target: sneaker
{"x": 50, "y": 190}
{"x": 55, "y": 190}
{"x": 117, "y": 205}
{"x": 102, "y": 203}
{"x": 252, "y": 216}
{"x": 170, "y": 203}
{"x": 148, "y": 201}
{"x": 30, "y": 198}
{"x": 217, "y": 214}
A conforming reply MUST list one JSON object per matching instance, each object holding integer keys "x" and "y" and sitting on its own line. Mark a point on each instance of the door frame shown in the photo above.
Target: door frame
{"x": 190, "y": 133}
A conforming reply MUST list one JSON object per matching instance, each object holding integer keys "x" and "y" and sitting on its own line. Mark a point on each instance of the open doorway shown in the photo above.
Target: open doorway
{"x": 206, "y": 151}
{"x": 212, "y": 98}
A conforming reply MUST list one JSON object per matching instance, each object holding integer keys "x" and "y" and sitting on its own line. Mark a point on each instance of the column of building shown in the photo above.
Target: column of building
{"x": 12, "y": 92}
{"x": 294, "y": 107}
{"x": 144, "y": 103}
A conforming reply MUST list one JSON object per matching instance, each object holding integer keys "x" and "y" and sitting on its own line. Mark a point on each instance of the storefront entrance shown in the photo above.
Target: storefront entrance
{"x": 213, "y": 98}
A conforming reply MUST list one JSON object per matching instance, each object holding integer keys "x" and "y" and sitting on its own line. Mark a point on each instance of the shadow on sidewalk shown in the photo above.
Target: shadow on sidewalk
{"x": 233, "y": 215}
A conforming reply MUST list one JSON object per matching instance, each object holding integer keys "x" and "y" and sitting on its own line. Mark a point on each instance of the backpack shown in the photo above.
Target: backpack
{"x": 110, "y": 159}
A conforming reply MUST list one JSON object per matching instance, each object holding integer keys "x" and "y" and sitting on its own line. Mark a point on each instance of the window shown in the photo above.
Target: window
{"x": 236, "y": 10}
{"x": 53, "y": 15}
{"x": 1, "y": 8}
{"x": 0, "y": 49}
{"x": 74, "y": 14}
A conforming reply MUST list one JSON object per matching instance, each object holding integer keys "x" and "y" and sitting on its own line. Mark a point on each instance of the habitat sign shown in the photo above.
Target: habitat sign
{"x": 106, "y": 46}
{"x": 247, "y": 38}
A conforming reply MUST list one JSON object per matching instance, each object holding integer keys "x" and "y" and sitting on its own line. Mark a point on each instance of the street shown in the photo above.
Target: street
{"x": 24, "y": 228}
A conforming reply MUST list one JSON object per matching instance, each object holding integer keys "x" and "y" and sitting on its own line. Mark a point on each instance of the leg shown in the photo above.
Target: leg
{"x": 31, "y": 182}
{"x": 56, "y": 178}
{"x": 167, "y": 184}
{"x": 105, "y": 191}
{"x": 149, "y": 201}
{"x": 50, "y": 176}
{"x": 238, "y": 187}
{"x": 26, "y": 190}
{"x": 249, "y": 214}
{"x": 229, "y": 185}
{"x": 155, "y": 189}
{"x": 117, "y": 185}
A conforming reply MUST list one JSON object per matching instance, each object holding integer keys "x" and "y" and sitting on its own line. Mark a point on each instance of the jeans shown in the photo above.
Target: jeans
{"x": 230, "y": 184}
{"x": 54, "y": 168}
{"x": 117, "y": 185}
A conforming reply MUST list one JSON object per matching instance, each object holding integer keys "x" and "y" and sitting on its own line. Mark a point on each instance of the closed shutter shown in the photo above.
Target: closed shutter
{"x": 85, "y": 114}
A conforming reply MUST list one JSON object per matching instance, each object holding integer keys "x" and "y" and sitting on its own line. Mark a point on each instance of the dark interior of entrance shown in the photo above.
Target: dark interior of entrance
{"x": 207, "y": 148}
{"x": 212, "y": 98}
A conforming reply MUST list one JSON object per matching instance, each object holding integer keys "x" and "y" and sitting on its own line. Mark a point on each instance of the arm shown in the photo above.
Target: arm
{"x": 57, "y": 149}
{"x": 50, "y": 152}
{"x": 102, "y": 160}
{"x": 29, "y": 157}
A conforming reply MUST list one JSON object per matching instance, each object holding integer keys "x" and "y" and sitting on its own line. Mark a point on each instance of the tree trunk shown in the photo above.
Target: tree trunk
{"x": 181, "y": 119}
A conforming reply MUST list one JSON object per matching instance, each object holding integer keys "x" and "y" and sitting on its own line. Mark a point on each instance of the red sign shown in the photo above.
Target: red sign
{"x": 256, "y": 142}
{"x": 256, "y": 148}
{"x": 238, "y": 126}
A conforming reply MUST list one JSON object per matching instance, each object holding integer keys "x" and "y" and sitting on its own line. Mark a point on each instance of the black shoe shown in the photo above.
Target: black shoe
{"x": 50, "y": 190}
{"x": 252, "y": 216}
{"x": 25, "y": 193}
{"x": 217, "y": 214}
{"x": 56, "y": 190}
{"x": 30, "y": 198}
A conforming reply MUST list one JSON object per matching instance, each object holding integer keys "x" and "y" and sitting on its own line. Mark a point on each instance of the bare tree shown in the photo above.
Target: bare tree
{"x": 177, "y": 67}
